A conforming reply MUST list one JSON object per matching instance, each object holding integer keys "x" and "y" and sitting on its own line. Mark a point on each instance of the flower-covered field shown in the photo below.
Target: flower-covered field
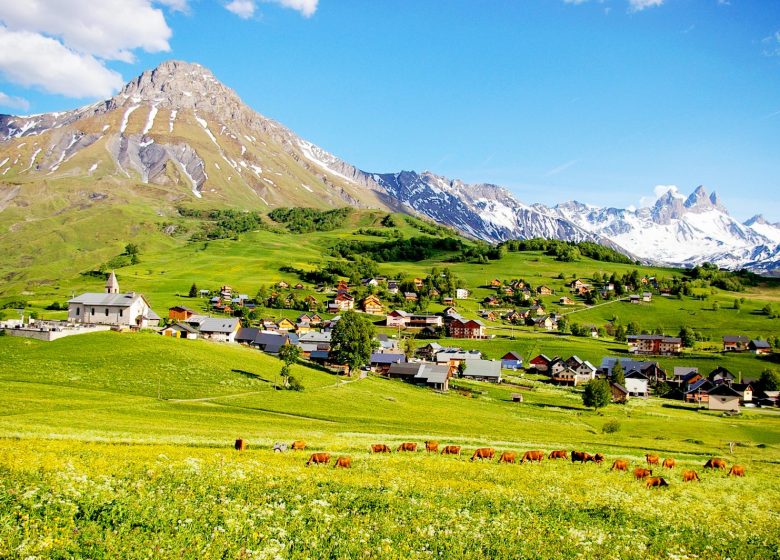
{"x": 67, "y": 499}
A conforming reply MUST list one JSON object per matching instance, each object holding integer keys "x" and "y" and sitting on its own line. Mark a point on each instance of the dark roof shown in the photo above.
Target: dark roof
{"x": 701, "y": 385}
{"x": 635, "y": 374}
{"x": 404, "y": 369}
{"x": 247, "y": 334}
{"x": 733, "y": 338}
{"x": 183, "y": 327}
{"x": 724, "y": 391}
{"x": 380, "y": 358}
{"x": 759, "y": 344}
{"x": 619, "y": 387}
{"x": 319, "y": 354}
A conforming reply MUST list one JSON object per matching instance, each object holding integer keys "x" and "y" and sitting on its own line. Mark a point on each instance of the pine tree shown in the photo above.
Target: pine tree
{"x": 193, "y": 290}
{"x": 618, "y": 373}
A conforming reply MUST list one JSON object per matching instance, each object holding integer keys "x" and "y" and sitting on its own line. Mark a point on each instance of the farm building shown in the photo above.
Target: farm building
{"x": 541, "y": 363}
{"x": 511, "y": 360}
{"x": 759, "y": 347}
{"x": 421, "y": 373}
{"x": 180, "y": 313}
{"x": 483, "y": 370}
{"x": 381, "y": 362}
{"x": 220, "y": 329}
{"x": 735, "y": 343}
{"x": 619, "y": 393}
{"x": 637, "y": 384}
{"x": 180, "y": 330}
{"x": 724, "y": 397}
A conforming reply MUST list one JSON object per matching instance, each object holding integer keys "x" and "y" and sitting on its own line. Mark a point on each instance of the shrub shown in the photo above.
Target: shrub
{"x": 611, "y": 426}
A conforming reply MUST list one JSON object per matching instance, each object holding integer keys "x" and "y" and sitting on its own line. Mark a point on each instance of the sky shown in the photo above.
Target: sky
{"x": 609, "y": 102}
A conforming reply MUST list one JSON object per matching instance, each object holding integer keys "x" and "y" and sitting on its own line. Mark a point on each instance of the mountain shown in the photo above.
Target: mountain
{"x": 92, "y": 178}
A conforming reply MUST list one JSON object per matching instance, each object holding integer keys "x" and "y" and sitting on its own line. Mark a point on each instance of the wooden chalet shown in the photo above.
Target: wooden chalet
{"x": 371, "y": 304}
{"x": 735, "y": 343}
{"x": 467, "y": 328}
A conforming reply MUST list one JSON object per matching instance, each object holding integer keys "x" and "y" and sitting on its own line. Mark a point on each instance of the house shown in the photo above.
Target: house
{"x": 541, "y": 363}
{"x": 537, "y": 310}
{"x": 577, "y": 284}
{"x": 512, "y": 360}
{"x": 721, "y": 375}
{"x": 619, "y": 393}
{"x": 733, "y": 343}
{"x": 180, "y": 313}
{"x": 284, "y": 324}
{"x": 429, "y": 351}
{"x": 759, "y": 347}
{"x": 491, "y": 301}
{"x": 544, "y": 291}
{"x": 421, "y": 373}
{"x": 453, "y": 357}
{"x": 594, "y": 332}
{"x": 410, "y": 296}
{"x": 180, "y": 330}
{"x": 392, "y": 286}
{"x": 397, "y": 318}
{"x": 311, "y": 302}
{"x": 298, "y": 286}
{"x": 462, "y": 293}
{"x": 483, "y": 370}
{"x": 314, "y": 341}
{"x": 282, "y": 285}
{"x": 386, "y": 344}
{"x": 489, "y": 315}
{"x": 651, "y": 370}
{"x": 724, "y": 398}
{"x": 634, "y": 299}
{"x": 637, "y": 384}
{"x": 220, "y": 329}
{"x": 698, "y": 391}
{"x": 226, "y": 292}
{"x": 418, "y": 283}
{"x": 342, "y": 286}
{"x": 685, "y": 374}
{"x": 271, "y": 343}
{"x": 112, "y": 308}
{"x": 381, "y": 362}
{"x": 565, "y": 300}
{"x": 371, "y": 304}
{"x": 369, "y": 282}
{"x": 647, "y": 296}
{"x": 342, "y": 302}
{"x": 495, "y": 283}
{"x": 547, "y": 323}
{"x": 745, "y": 391}
{"x": 467, "y": 328}
{"x": 654, "y": 344}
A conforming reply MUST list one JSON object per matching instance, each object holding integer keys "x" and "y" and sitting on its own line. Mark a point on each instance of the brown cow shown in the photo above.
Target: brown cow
{"x": 432, "y": 446}
{"x": 598, "y": 458}
{"x": 451, "y": 450}
{"x": 380, "y": 448}
{"x": 640, "y": 473}
{"x": 668, "y": 463}
{"x": 508, "y": 457}
{"x": 580, "y": 456}
{"x": 737, "y": 470}
{"x": 298, "y": 445}
{"x": 558, "y": 454}
{"x": 715, "y": 463}
{"x": 652, "y": 459}
{"x": 690, "y": 476}
{"x": 656, "y": 482}
{"x": 407, "y": 447}
{"x": 343, "y": 463}
{"x": 240, "y": 445}
{"x": 620, "y": 465}
{"x": 484, "y": 453}
{"x": 532, "y": 456}
{"x": 318, "y": 459}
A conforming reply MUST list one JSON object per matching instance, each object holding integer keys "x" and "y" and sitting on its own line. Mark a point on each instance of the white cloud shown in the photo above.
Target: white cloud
{"x": 244, "y": 9}
{"x": 639, "y": 5}
{"x": 658, "y": 192}
{"x": 175, "y": 5}
{"x": 13, "y": 102}
{"x": 30, "y": 59}
{"x": 109, "y": 29}
{"x": 772, "y": 44}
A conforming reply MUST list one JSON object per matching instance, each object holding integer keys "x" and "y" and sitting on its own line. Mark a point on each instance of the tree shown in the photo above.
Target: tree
{"x": 408, "y": 346}
{"x": 620, "y": 333}
{"x": 737, "y": 304}
{"x": 769, "y": 380}
{"x": 193, "y": 290}
{"x": 687, "y": 336}
{"x": 132, "y": 249}
{"x": 289, "y": 354}
{"x": 462, "y": 369}
{"x": 597, "y": 394}
{"x": 352, "y": 340}
{"x": 618, "y": 373}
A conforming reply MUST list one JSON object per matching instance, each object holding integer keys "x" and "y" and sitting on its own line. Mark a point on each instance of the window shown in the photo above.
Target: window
{"x": 93, "y": 310}
{"x": 78, "y": 311}
{"x": 106, "y": 311}
{"x": 120, "y": 312}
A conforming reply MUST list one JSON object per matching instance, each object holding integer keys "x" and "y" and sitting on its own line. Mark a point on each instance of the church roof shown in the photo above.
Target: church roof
{"x": 111, "y": 300}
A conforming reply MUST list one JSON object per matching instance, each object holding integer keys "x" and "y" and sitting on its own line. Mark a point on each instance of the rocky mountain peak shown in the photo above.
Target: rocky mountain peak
{"x": 668, "y": 207}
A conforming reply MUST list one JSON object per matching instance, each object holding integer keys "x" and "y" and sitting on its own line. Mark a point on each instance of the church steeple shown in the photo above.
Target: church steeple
{"x": 112, "y": 286}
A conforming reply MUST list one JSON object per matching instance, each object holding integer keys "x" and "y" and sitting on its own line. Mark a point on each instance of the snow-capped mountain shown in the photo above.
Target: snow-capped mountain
{"x": 682, "y": 231}
{"x": 176, "y": 133}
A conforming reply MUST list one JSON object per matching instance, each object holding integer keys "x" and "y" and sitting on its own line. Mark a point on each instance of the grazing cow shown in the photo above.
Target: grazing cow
{"x": 451, "y": 450}
{"x": 407, "y": 447}
{"x": 318, "y": 459}
{"x": 532, "y": 456}
{"x": 558, "y": 454}
{"x": 298, "y": 445}
{"x": 240, "y": 445}
{"x": 715, "y": 463}
{"x": 380, "y": 448}
{"x": 690, "y": 476}
{"x": 580, "y": 456}
{"x": 652, "y": 459}
{"x": 668, "y": 463}
{"x": 432, "y": 446}
{"x": 484, "y": 453}
{"x": 598, "y": 458}
{"x": 343, "y": 463}
{"x": 508, "y": 457}
{"x": 640, "y": 473}
{"x": 656, "y": 482}
{"x": 620, "y": 465}
{"x": 737, "y": 470}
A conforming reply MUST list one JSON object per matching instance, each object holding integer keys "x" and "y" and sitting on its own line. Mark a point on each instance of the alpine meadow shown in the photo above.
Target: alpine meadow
{"x": 220, "y": 340}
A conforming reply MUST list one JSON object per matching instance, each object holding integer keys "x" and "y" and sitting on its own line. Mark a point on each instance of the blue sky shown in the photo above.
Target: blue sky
{"x": 598, "y": 100}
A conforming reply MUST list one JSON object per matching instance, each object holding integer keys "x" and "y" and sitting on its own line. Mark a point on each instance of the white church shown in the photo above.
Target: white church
{"x": 112, "y": 308}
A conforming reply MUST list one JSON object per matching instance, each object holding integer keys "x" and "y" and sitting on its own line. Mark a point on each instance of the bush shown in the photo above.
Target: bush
{"x": 610, "y": 427}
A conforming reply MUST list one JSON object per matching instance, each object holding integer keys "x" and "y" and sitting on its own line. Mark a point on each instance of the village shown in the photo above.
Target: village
{"x": 228, "y": 317}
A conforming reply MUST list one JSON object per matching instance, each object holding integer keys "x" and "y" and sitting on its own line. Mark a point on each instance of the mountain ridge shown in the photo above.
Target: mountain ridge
{"x": 178, "y": 127}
